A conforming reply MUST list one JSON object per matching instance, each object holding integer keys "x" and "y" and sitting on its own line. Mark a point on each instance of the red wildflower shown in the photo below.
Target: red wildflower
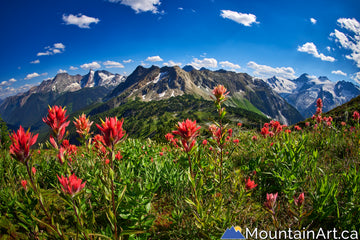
{"x": 265, "y": 131}
{"x": 271, "y": 201}
{"x": 297, "y": 128}
{"x": 220, "y": 93}
{"x": 343, "y": 123}
{"x": 99, "y": 143}
{"x": 307, "y": 124}
{"x": 24, "y": 184}
{"x": 161, "y": 153}
{"x": 239, "y": 124}
{"x": 33, "y": 169}
{"x": 356, "y": 115}
{"x": 169, "y": 137}
{"x": 21, "y": 142}
{"x": 299, "y": 200}
{"x": 118, "y": 156}
{"x": 205, "y": 142}
{"x": 319, "y": 103}
{"x": 188, "y": 131}
{"x": 107, "y": 161}
{"x": 71, "y": 185}
{"x": 57, "y": 121}
{"x": 112, "y": 131}
{"x": 82, "y": 125}
{"x": 236, "y": 141}
{"x": 250, "y": 184}
{"x": 254, "y": 138}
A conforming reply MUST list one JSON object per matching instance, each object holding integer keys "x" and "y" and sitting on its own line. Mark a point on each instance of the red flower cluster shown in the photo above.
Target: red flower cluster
{"x": 21, "y": 142}
{"x": 24, "y": 184}
{"x": 188, "y": 131}
{"x": 71, "y": 185}
{"x": 356, "y": 116}
{"x": 99, "y": 143}
{"x": 57, "y": 121}
{"x": 82, "y": 125}
{"x": 299, "y": 200}
{"x": 66, "y": 151}
{"x": 272, "y": 128}
{"x": 250, "y": 184}
{"x": 270, "y": 203}
{"x": 220, "y": 93}
{"x": 112, "y": 131}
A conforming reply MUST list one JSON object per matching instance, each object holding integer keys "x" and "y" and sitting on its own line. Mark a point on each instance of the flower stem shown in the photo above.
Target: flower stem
{"x": 40, "y": 200}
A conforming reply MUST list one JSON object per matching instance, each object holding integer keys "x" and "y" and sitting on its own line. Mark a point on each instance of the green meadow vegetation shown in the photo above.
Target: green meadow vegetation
{"x": 193, "y": 184}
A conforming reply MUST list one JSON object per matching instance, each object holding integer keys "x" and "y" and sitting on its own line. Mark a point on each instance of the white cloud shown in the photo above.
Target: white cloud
{"x": 35, "y": 61}
{"x": 80, "y": 20}
{"x": 241, "y": 18}
{"x": 140, "y": 5}
{"x": 313, "y": 20}
{"x": 7, "y": 83}
{"x": 93, "y": 65}
{"x": 112, "y": 64}
{"x": 127, "y": 61}
{"x": 227, "y": 64}
{"x": 206, "y": 63}
{"x": 339, "y": 72}
{"x": 56, "y": 48}
{"x": 32, "y": 75}
{"x": 310, "y": 48}
{"x": 350, "y": 40}
{"x": 73, "y": 68}
{"x": 265, "y": 71}
{"x": 356, "y": 77}
{"x": 180, "y": 8}
{"x": 61, "y": 71}
{"x": 154, "y": 59}
{"x": 59, "y": 46}
{"x": 171, "y": 63}
{"x": 9, "y": 91}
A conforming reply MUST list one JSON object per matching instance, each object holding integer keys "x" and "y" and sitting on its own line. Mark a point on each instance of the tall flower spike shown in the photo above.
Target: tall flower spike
{"x": 21, "y": 142}
{"x": 71, "y": 185}
{"x": 220, "y": 93}
{"x": 112, "y": 131}
{"x": 250, "y": 184}
{"x": 299, "y": 201}
{"x": 271, "y": 202}
{"x": 57, "y": 121}
{"x": 188, "y": 131}
{"x": 82, "y": 125}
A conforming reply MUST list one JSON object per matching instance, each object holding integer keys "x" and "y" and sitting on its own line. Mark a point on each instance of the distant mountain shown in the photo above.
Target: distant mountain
{"x": 303, "y": 92}
{"x": 154, "y": 83}
{"x": 75, "y": 92}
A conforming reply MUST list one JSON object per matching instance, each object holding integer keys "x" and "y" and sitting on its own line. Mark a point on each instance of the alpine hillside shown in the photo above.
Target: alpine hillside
{"x": 154, "y": 83}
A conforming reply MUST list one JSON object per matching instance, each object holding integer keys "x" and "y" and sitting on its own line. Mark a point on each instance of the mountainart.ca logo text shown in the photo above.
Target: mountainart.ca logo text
{"x": 237, "y": 233}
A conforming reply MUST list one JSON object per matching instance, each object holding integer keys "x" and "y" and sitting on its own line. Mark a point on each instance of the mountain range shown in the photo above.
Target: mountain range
{"x": 303, "y": 92}
{"x": 99, "y": 92}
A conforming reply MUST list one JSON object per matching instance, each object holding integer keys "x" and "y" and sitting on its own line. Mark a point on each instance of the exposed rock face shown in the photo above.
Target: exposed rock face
{"x": 156, "y": 83}
{"x": 303, "y": 92}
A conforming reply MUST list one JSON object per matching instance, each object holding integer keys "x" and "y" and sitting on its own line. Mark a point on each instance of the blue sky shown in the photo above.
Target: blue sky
{"x": 262, "y": 38}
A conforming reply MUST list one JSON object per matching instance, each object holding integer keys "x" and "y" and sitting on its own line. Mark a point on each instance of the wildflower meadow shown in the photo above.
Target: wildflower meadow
{"x": 205, "y": 179}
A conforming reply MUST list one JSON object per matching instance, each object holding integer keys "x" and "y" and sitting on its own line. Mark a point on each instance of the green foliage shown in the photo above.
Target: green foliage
{"x": 156, "y": 196}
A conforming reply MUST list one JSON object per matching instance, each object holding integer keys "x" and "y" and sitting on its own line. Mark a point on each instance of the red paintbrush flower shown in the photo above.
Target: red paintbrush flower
{"x": 356, "y": 115}
{"x": 56, "y": 119}
{"x": 250, "y": 184}
{"x": 112, "y": 131}
{"x": 21, "y": 143}
{"x": 24, "y": 184}
{"x": 271, "y": 202}
{"x": 71, "y": 185}
{"x": 188, "y": 131}
{"x": 220, "y": 93}
{"x": 299, "y": 200}
{"x": 82, "y": 125}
